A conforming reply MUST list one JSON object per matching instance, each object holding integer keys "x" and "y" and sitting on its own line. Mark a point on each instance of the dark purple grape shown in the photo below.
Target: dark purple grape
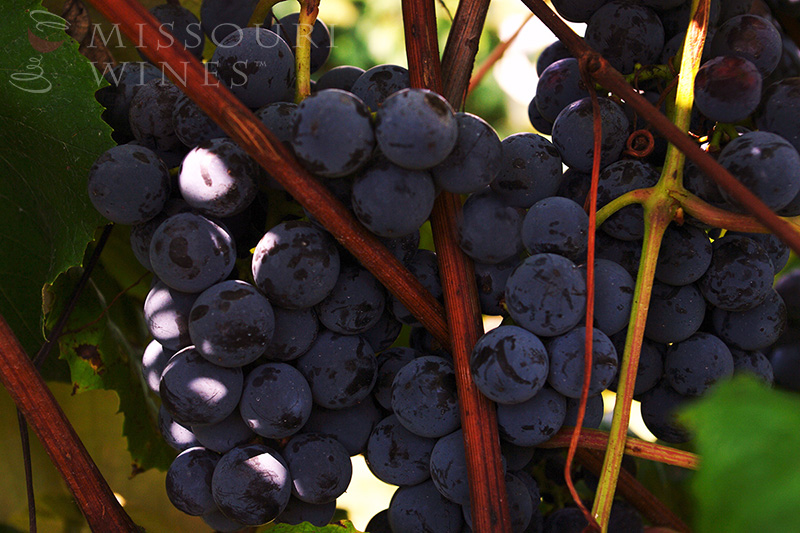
{"x": 320, "y": 38}
{"x": 154, "y": 360}
{"x": 556, "y": 225}
{"x": 422, "y": 508}
{"x": 350, "y": 426}
{"x": 384, "y": 332}
{"x": 694, "y": 365}
{"x": 675, "y": 314}
{"x": 192, "y": 125}
{"x": 534, "y": 421}
{"x": 166, "y": 313}
{"x": 196, "y": 392}
{"x": 189, "y": 481}
{"x": 780, "y": 105}
{"x": 354, "y": 305}
{"x": 340, "y": 369}
{"x": 727, "y": 88}
{"x": 297, "y": 511}
{"x": 150, "y": 119}
{"x": 332, "y": 134}
{"x": 593, "y": 416}
{"x": 474, "y": 161}
{"x": 750, "y": 37}
{"x": 449, "y": 471}
{"x": 755, "y": 329}
{"x": 231, "y": 323}
{"x": 392, "y": 201}
{"x": 320, "y": 467}
{"x": 539, "y": 123}
{"x": 529, "y": 171}
{"x": 424, "y": 397}
{"x": 613, "y": 293}
{"x": 577, "y": 10}
{"x": 389, "y": 364}
{"x": 182, "y": 26}
{"x": 492, "y": 285}
{"x": 278, "y": 117}
{"x": 296, "y": 265}
{"x": 251, "y": 484}
{"x": 295, "y": 332}
{"x": 660, "y": 406}
{"x": 397, "y": 456}
{"x": 129, "y": 184}
{"x": 616, "y": 179}
{"x": 256, "y": 65}
{"x": 276, "y": 400}
{"x": 754, "y": 363}
{"x": 342, "y": 77}
{"x": 377, "y": 83}
{"x": 566, "y": 368}
{"x": 509, "y": 364}
{"x": 684, "y": 255}
{"x": 219, "y": 18}
{"x": 223, "y": 436}
{"x": 489, "y": 230}
{"x": 175, "y": 434}
{"x": 218, "y": 178}
{"x": 558, "y": 86}
{"x": 425, "y": 268}
{"x": 416, "y": 128}
{"x": 190, "y": 253}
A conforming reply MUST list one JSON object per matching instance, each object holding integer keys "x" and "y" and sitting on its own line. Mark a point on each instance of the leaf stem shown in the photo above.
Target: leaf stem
{"x": 309, "y": 9}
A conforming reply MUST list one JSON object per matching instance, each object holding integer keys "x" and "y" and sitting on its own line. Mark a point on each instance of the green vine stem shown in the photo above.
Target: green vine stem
{"x": 309, "y": 9}
{"x": 595, "y": 439}
{"x": 660, "y": 209}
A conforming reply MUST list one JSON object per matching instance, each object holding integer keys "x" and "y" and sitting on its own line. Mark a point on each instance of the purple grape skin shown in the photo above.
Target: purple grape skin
{"x": 296, "y": 265}
{"x": 422, "y": 508}
{"x": 125, "y": 80}
{"x": 396, "y": 456}
{"x": 195, "y": 391}
{"x": 320, "y": 467}
{"x": 320, "y": 38}
{"x": 556, "y": 225}
{"x": 659, "y": 407}
{"x": 516, "y": 457}
{"x": 509, "y": 364}
{"x": 529, "y": 171}
{"x": 251, "y": 484}
{"x": 231, "y": 323}
{"x": 616, "y": 179}
{"x": 519, "y": 503}
{"x": 341, "y": 369}
{"x": 389, "y": 364}
{"x": 154, "y": 360}
{"x": 695, "y": 364}
{"x": 218, "y": 178}
{"x": 539, "y": 123}
{"x": 625, "y": 34}
{"x": 567, "y": 354}
{"x": 559, "y": 85}
{"x": 378, "y": 82}
{"x": 219, "y": 18}
{"x": 684, "y": 256}
{"x": 182, "y": 25}
{"x": 474, "y": 161}
{"x": 489, "y": 231}
{"x": 276, "y": 400}
{"x": 384, "y": 332}
{"x": 546, "y": 294}
{"x": 192, "y": 125}
{"x": 295, "y": 332}
{"x": 750, "y": 37}
{"x": 176, "y": 435}
{"x": 675, "y": 314}
{"x": 573, "y": 133}
{"x": 350, "y": 426}
{"x": 342, "y": 77}
{"x": 491, "y": 281}
{"x": 593, "y": 416}
{"x": 332, "y": 134}
{"x": 552, "y": 53}
{"x": 614, "y": 289}
{"x": 651, "y": 364}
{"x": 278, "y": 117}
{"x": 190, "y": 253}
{"x": 577, "y": 10}
{"x": 379, "y": 523}
{"x": 297, "y": 511}
{"x": 416, "y": 128}
{"x": 780, "y": 105}
{"x": 727, "y": 88}
{"x": 740, "y": 275}
{"x": 424, "y": 397}
{"x": 354, "y": 305}
{"x": 785, "y": 361}
{"x": 449, "y": 471}
{"x": 150, "y": 117}
{"x": 129, "y": 184}
{"x": 404, "y": 248}
{"x": 224, "y": 436}
{"x": 534, "y": 421}
{"x": 267, "y": 74}
{"x": 392, "y": 201}
{"x": 189, "y": 481}
{"x": 219, "y": 522}
{"x": 754, "y": 363}
{"x": 754, "y": 329}
{"x": 765, "y": 163}
{"x": 425, "y": 268}
{"x": 166, "y": 313}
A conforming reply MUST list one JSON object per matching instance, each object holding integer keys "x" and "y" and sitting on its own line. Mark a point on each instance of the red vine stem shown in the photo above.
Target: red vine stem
{"x": 461, "y": 48}
{"x": 29, "y": 392}
{"x": 595, "y": 439}
{"x": 240, "y": 123}
{"x": 636, "y": 494}
{"x": 489, "y": 503}
{"x": 608, "y": 77}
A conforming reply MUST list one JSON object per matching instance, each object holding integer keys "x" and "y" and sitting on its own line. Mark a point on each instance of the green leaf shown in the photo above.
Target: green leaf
{"x": 345, "y": 526}
{"x": 100, "y": 357}
{"x": 747, "y": 437}
{"x": 50, "y": 134}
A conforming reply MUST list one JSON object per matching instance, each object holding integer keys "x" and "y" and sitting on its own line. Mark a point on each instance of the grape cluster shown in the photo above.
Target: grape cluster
{"x": 274, "y": 368}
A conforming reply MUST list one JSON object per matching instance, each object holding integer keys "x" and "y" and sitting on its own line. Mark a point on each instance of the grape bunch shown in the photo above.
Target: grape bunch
{"x": 275, "y": 366}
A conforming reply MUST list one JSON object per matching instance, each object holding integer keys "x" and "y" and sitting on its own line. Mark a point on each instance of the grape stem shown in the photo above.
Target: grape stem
{"x": 595, "y": 439}
{"x": 309, "y": 9}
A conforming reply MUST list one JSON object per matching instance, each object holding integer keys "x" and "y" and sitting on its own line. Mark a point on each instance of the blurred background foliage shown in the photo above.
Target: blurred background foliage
{"x": 365, "y": 33}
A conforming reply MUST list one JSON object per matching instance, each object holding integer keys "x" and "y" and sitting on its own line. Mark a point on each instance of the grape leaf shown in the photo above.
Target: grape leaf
{"x": 749, "y": 479}
{"x": 50, "y": 134}
{"x": 345, "y": 526}
{"x": 100, "y": 357}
